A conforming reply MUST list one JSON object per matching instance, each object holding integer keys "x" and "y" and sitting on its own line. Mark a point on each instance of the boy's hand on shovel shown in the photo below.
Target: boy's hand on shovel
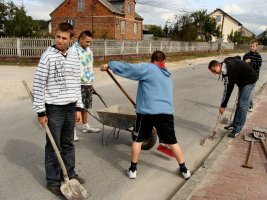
{"x": 104, "y": 67}
{"x": 43, "y": 120}
{"x": 221, "y": 110}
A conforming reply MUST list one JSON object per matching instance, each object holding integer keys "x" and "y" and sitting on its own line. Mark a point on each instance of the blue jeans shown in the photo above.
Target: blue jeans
{"x": 61, "y": 122}
{"x": 244, "y": 97}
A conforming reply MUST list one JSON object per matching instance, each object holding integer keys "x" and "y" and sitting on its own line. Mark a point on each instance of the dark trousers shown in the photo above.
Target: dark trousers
{"x": 61, "y": 122}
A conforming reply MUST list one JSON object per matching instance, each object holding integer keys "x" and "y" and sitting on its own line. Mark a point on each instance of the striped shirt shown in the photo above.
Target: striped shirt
{"x": 57, "y": 80}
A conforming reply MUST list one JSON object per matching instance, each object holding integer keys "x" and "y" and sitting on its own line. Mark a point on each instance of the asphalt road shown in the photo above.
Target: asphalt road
{"x": 196, "y": 98}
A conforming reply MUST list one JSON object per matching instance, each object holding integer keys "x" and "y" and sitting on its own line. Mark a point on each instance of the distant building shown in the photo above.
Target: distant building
{"x": 263, "y": 34}
{"x": 246, "y": 32}
{"x": 110, "y": 19}
{"x": 147, "y": 35}
{"x": 228, "y": 24}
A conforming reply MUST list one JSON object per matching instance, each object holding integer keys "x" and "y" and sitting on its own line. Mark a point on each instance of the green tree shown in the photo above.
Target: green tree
{"x": 156, "y": 31}
{"x": 17, "y": 23}
{"x": 2, "y": 18}
{"x": 196, "y": 26}
{"x": 183, "y": 29}
{"x": 237, "y": 37}
{"x": 167, "y": 29}
{"x": 263, "y": 38}
{"x": 206, "y": 26}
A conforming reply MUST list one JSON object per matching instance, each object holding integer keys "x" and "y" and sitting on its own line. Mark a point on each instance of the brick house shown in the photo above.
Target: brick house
{"x": 110, "y": 19}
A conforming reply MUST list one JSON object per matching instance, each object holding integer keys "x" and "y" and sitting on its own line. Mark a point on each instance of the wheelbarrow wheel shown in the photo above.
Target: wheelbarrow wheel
{"x": 151, "y": 141}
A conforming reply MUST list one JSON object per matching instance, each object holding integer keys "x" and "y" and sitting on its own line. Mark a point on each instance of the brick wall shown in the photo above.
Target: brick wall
{"x": 97, "y": 18}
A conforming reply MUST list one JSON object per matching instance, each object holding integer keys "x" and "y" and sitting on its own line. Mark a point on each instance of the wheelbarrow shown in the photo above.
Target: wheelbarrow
{"x": 120, "y": 117}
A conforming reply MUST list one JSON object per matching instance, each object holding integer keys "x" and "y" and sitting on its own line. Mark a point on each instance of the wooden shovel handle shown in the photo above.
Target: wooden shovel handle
{"x": 121, "y": 88}
{"x": 49, "y": 135}
{"x": 60, "y": 160}
{"x": 249, "y": 156}
{"x": 264, "y": 146}
{"x": 216, "y": 126}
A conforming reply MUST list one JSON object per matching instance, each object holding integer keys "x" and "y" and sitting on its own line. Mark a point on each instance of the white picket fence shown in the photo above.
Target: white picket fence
{"x": 34, "y": 47}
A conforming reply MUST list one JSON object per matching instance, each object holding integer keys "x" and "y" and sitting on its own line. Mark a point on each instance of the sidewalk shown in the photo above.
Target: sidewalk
{"x": 222, "y": 175}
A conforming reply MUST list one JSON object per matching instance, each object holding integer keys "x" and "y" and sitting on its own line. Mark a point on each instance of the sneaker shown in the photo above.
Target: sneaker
{"x": 186, "y": 175}
{"x": 233, "y": 134}
{"x": 229, "y": 127}
{"x": 89, "y": 129}
{"x": 250, "y": 109}
{"x": 55, "y": 190}
{"x": 131, "y": 174}
{"x": 79, "y": 179}
{"x": 75, "y": 136}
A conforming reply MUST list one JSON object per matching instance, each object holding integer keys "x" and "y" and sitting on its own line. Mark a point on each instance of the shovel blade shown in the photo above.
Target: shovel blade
{"x": 73, "y": 190}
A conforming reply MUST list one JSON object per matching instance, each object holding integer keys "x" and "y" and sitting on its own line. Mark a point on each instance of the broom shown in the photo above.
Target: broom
{"x": 164, "y": 148}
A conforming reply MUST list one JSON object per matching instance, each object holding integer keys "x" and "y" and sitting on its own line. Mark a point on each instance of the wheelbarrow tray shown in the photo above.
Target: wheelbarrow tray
{"x": 118, "y": 116}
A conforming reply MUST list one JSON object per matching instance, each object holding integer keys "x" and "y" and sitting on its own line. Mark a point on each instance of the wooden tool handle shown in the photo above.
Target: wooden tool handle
{"x": 49, "y": 135}
{"x": 264, "y": 147}
{"x": 249, "y": 157}
{"x": 121, "y": 88}
{"x": 216, "y": 126}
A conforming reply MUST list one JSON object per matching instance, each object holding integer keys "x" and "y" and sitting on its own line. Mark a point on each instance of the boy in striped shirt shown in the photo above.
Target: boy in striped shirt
{"x": 58, "y": 102}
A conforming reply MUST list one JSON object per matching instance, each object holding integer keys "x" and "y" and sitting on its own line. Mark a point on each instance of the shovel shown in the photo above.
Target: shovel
{"x": 162, "y": 147}
{"x": 71, "y": 189}
{"x": 212, "y": 136}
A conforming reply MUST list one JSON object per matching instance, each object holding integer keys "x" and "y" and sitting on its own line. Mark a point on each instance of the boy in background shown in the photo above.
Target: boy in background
{"x": 81, "y": 48}
{"x": 255, "y": 60}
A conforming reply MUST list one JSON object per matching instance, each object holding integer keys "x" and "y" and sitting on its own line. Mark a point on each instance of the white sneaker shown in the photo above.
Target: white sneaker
{"x": 131, "y": 175}
{"x": 89, "y": 129}
{"x": 186, "y": 174}
{"x": 75, "y": 138}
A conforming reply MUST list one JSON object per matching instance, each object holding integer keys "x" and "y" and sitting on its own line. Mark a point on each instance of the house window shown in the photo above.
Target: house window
{"x": 129, "y": 8}
{"x": 81, "y": 5}
{"x": 135, "y": 28}
{"x": 122, "y": 27}
{"x": 70, "y": 21}
{"x": 218, "y": 18}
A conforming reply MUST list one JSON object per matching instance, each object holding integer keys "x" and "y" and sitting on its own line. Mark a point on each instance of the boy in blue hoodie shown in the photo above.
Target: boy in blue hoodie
{"x": 154, "y": 106}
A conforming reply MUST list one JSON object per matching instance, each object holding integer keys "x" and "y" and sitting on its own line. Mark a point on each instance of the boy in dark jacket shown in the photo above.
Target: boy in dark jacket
{"x": 235, "y": 72}
{"x": 255, "y": 60}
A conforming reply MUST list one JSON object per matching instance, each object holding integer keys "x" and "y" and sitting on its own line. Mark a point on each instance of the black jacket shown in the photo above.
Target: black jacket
{"x": 239, "y": 73}
{"x": 256, "y": 61}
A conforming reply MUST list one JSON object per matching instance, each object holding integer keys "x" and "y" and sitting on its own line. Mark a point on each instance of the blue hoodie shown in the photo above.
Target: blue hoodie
{"x": 154, "y": 94}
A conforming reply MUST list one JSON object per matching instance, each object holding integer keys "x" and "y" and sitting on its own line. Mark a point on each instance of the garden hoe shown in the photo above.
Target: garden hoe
{"x": 71, "y": 189}
{"x": 164, "y": 148}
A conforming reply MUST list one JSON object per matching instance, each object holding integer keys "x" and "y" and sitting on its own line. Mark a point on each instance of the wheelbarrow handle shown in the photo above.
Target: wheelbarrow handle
{"x": 100, "y": 97}
{"x": 121, "y": 88}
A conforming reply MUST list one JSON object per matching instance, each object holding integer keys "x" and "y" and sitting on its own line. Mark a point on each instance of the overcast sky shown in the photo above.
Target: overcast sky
{"x": 251, "y": 13}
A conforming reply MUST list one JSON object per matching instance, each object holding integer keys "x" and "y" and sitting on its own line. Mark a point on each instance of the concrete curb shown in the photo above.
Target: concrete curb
{"x": 190, "y": 186}
{"x": 187, "y": 190}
